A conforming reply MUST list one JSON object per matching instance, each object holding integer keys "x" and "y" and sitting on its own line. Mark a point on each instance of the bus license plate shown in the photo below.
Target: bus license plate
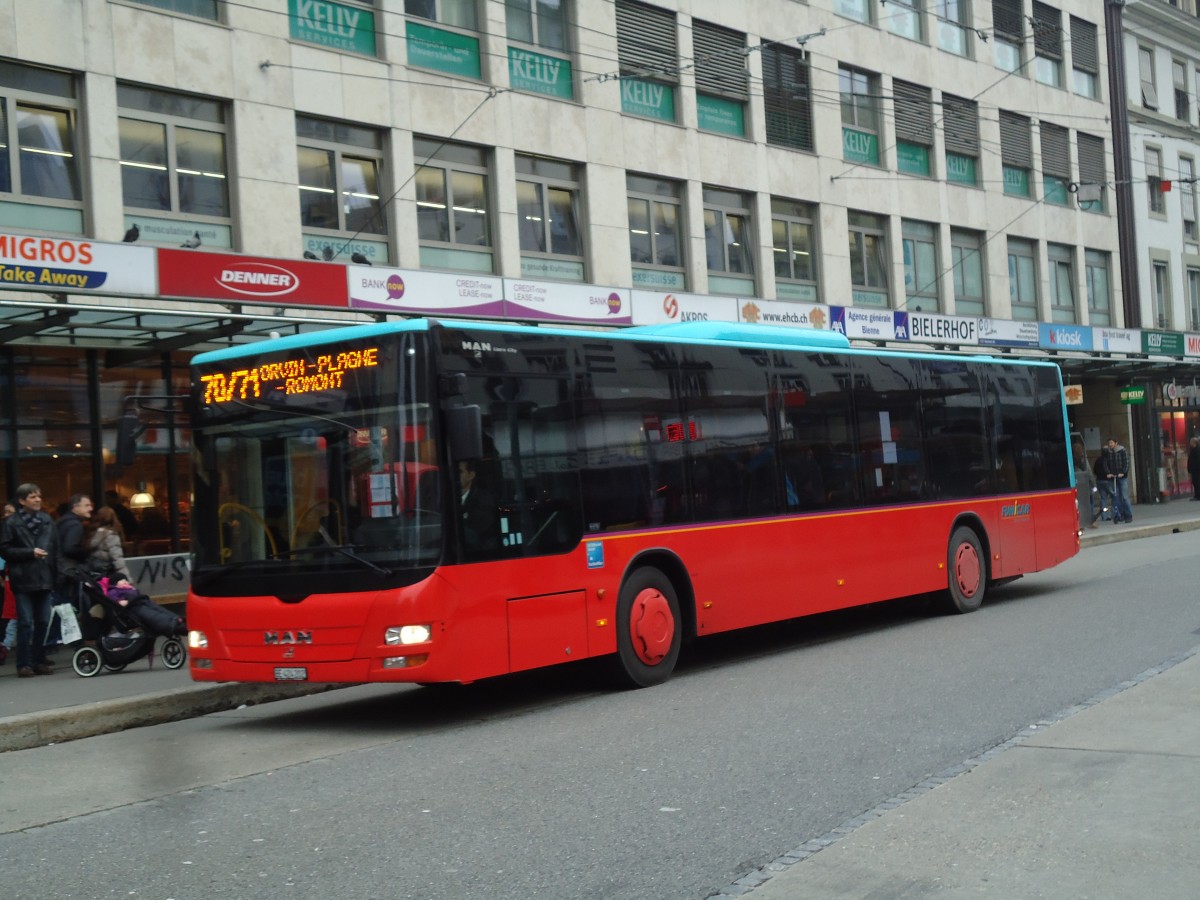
{"x": 291, "y": 673}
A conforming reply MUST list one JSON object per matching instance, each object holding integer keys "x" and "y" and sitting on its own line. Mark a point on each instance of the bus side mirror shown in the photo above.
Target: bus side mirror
{"x": 129, "y": 429}
{"x": 464, "y": 432}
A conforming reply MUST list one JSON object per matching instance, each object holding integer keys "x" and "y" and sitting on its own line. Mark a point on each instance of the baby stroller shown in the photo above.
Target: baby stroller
{"x": 122, "y": 634}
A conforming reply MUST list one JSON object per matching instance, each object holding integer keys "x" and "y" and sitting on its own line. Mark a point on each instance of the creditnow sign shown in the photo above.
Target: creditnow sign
{"x": 246, "y": 279}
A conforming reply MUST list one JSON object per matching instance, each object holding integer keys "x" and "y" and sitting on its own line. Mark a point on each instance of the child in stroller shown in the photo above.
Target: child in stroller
{"x": 126, "y": 624}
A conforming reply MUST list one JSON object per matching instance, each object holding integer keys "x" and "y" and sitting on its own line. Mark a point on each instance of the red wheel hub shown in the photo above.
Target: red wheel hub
{"x": 968, "y": 571}
{"x": 651, "y": 626}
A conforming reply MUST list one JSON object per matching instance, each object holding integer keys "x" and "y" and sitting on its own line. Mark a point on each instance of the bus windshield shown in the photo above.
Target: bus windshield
{"x": 313, "y": 463}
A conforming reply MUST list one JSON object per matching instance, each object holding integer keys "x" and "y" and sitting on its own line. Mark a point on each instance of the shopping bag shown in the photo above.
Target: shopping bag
{"x": 68, "y": 623}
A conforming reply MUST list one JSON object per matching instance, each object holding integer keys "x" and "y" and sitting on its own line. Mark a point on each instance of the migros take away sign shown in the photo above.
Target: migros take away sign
{"x": 48, "y": 264}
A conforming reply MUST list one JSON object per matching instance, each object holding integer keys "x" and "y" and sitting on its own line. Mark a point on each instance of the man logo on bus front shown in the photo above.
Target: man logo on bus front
{"x": 274, "y": 638}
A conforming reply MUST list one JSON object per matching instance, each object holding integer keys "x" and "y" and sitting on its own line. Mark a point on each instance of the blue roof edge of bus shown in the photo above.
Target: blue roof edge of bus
{"x": 294, "y": 341}
{"x": 744, "y": 332}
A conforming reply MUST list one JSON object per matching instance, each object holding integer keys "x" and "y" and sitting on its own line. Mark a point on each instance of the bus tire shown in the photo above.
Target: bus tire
{"x": 649, "y": 629}
{"x": 967, "y": 572}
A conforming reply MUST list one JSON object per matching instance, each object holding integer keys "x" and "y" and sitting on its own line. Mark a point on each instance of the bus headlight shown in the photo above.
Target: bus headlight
{"x": 408, "y": 634}
{"x": 197, "y": 640}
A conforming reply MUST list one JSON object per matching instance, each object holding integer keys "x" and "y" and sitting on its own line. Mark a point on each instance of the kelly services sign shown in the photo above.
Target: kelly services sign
{"x": 53, "y": 265}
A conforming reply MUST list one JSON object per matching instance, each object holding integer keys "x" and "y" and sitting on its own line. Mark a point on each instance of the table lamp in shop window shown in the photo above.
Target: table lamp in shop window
{"x": 142, "y": 499}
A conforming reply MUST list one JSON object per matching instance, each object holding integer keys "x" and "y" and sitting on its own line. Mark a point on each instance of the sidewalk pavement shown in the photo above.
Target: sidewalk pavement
{"x": 1099, "y": 803}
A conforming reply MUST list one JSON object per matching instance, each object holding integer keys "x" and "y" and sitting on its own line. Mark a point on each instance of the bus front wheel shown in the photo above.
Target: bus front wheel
{"x": 648, "y": 629}
{"x": 967, "y": 571}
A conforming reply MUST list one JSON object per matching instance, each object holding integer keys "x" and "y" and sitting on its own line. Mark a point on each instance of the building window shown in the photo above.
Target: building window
{"x": 655, "y": 232}
{"x": 648, "y": 53}
{"x": 913, "y": 106}
{"x": 966, "y": 259}
{"x": 728, "y": 241}
{"x": 868, "y": 259}
{"x": 1047, "y": 44}
{"x": 1179, "y": 76}
{"x": 1062, "y": 282}
{"x": 859, "y": 93}
{"x": 1085, "y": 58}
{"x": 452, "y": 206}
{"x": 794, "y": 248}
{"x": 1193, "y": 288}
{"x": 201, "y": 9}
{"x": 1008, "y": 22}
{"x": 961, "y": 134}
{"x": 722, "y": 82}
{"x": 39, "y": 175}
{"x": 459, "y": 13}
{"x": 1056, "y": 163}
{"x": 1022, "y": 279}
{"x": 1161, "y": 285}
{"x": 859, "y": 10}
{"x": 1187, "y": 199}
{"x": 1016, "y": 153}
{"x": 173, "y": 152}
{"x": 548, "y": 218}
{"x": 787, "y": 97}
{"x": 540, "y": 24}
{"x": 1099, "y": 295}
{"x": 1154, "y": 179}
{"x": 953, "y": 26}
{"x": 339, "y": 178}
{"x": 907, "y": 19}
{"x": 1092, "y": 189}
{"x": 919, "y": 240}
{"x": 453, "y": 52}
{"x": 1146, "y": 73}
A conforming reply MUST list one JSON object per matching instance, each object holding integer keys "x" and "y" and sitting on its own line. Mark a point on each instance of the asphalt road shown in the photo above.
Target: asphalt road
{"x": 543, "y": 785}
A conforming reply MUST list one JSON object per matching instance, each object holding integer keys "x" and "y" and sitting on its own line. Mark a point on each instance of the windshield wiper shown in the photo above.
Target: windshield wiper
{"x": 346, "y": 550}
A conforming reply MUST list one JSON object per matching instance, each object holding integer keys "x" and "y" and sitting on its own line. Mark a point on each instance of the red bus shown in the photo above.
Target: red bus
{"x": 433, "y": 501}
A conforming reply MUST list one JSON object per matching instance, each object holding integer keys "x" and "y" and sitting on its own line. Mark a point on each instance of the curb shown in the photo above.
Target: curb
{"x": 1111, "y": 534}
{"x": 23, "y": 732}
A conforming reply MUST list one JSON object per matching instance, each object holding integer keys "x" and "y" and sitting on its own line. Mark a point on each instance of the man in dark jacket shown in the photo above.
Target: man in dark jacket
{"x": 29, "y": 545}
{"x": 1116, "y": 469}
{"x": 70, "y": 527}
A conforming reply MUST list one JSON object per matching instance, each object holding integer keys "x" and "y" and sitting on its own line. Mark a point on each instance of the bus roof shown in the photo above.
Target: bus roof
{"x": 738, "y": 333}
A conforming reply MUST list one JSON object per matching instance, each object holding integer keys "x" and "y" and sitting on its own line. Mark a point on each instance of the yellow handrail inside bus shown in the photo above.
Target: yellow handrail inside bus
{"x": 332, "y": 506}
{"x": 255, "y": 517}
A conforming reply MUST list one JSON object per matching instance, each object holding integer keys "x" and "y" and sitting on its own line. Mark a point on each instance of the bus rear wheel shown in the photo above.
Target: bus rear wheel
{"x": 648, "y": 629}
{"x": 967, "y": 572}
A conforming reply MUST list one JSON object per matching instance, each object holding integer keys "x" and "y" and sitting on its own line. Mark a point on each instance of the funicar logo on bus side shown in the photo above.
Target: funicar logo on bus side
{"x": 1015, "y": 511}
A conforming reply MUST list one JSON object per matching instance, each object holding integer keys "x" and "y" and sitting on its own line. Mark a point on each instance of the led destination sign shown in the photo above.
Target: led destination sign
{"x": 289, "y": 376}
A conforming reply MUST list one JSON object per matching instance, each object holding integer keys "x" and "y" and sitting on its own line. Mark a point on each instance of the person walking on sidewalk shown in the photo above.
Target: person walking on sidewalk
{"x": 29, "y": 545}
{"x": 1084, "y": 489}
{"x": 1116, "y": 466}
{"x": 1193, "y": 466}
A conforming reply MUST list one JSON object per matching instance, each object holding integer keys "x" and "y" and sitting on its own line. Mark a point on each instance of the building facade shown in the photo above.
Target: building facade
{"x": 938, "y": 171}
